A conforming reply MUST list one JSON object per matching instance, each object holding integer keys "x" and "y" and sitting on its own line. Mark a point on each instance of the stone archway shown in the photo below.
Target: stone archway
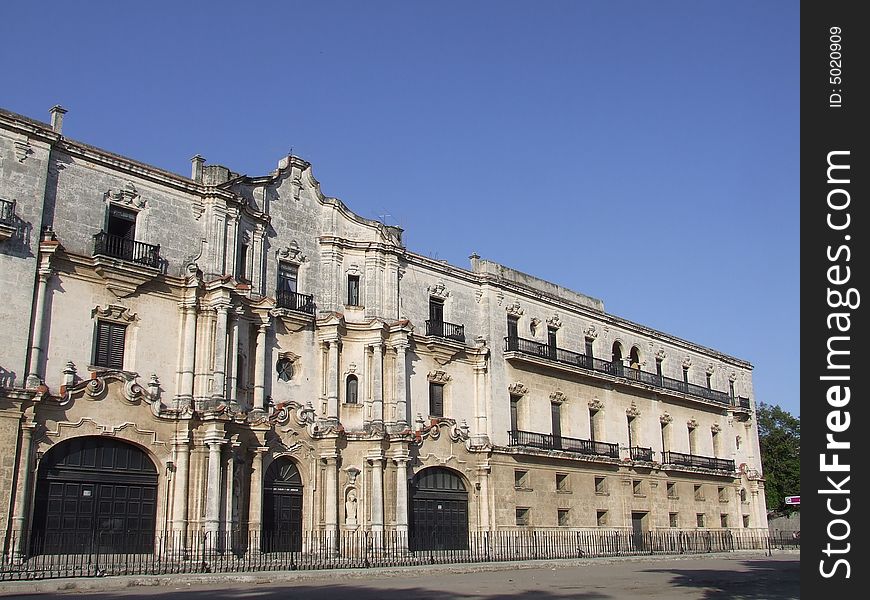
{"x": 282, "y": 507}
{"x": 438, "y": 518}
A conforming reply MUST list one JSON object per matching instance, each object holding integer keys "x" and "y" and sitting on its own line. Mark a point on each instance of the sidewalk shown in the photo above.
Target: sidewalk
{"x": 106, "y": 584}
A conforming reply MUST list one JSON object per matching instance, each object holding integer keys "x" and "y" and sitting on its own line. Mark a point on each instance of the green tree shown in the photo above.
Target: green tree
{"x": 779, "y": 433}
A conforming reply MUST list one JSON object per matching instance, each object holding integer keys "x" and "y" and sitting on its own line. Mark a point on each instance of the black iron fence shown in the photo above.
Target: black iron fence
{"x": 641, "y": 453}
{"x": 693, "y": 460}
{"x": 239, "y": 552}
{"x": 295, "y": 301}
{"x": 128, "y": 250}
{"x": 615, "y": 368}
{"x": 443, "y": 329}
{"x": 547, "y": 441}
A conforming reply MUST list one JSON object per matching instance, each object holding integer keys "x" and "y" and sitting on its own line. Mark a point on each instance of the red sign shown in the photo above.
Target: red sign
{"x": 792, "y": 499}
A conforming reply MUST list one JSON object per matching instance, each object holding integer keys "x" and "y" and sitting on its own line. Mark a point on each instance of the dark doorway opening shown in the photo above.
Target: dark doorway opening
{"x": 638, "y": 529}
{"x": 282, "y": 508}
{"x": 439, "y": 511}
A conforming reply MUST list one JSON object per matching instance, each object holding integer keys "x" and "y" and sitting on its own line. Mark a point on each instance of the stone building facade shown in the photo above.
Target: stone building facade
{"x": 226, "y": 353}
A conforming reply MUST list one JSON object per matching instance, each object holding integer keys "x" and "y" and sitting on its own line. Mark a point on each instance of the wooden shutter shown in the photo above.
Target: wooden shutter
{"x": 436, "y": 400}
{"x": 110, "y": 345}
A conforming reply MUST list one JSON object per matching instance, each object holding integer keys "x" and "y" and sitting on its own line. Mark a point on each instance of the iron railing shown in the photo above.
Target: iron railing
{"x": 295, "y": 301}
{"x": 547, "y": 441}
{"x": 742, "y": 403}
{"x": 7, "y": 211}
{"x": 240, "y": 551}
{"x": 614, "y": 368}
{"x": 443, "y": 329}
{"x": 693, "y": 460}
{"x": 116, "y": 246}
{"x": 641, "y": 453}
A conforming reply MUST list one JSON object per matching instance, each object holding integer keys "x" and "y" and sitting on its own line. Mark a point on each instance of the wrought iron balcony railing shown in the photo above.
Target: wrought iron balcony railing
{"x": 742, "y": 402}
{"x": 295, "y": 301}
{"x": 547, "y": 441}
{"x": 127, "y": 250}
{"x": 7, "y": 211}
{"x": 443, "y": 329}
{"x": 641, "y": 453}
{"x": 617, "y": 369}
{"x": 704, "y": 462}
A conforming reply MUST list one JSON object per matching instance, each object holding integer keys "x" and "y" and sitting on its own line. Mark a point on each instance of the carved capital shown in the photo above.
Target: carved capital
{"x": 514, "y": 309}
{"x": 558, "y": 397}
{"x": 518, "y": 389}
{"x": 687, "y": 362}
{"x": 291, "y": 253}
{"x": 666, "y": 419}
{"x": 595, "y": 405}
{"x": 715, "y": 428}
{"x": 128, "y": 196}
{"x": 590, "y": 332}
{"x": 438, "y": 376}
{"x": 439, "y": 290}
{"x": 692, "y": 424}
{"x": 554, "y": 321}
{"x": 632, "y": 411}
{"x": 661, "y": 355}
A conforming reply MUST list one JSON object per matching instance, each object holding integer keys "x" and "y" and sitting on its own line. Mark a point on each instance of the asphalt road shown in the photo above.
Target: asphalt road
{"x": 719, "y": 578}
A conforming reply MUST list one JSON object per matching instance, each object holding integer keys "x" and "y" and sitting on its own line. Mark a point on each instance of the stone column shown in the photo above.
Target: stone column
{"x": 401, "y": 386}
{"x": 213, "y": 493}
{"x": 402, "y": 499}
{"x": 331, "y": 503}
{"x": 219, "y": 389}
{"x": 230, "y": 474}
{"x": 34, "y": 377}
{"x": 181, "y": 492}
{"x": 483, "y": 511}
{"x": 232, "y": 375}
{"x": 188, "y": 353}
{"x": 377, "y": 494}
{"x": 22, "y": 492}
{"x": 332, "y": 371}
{"x": 480, "y": 401}
{"x": 260, "y": 369}
{"x": 255, "y": 500}
{"x": 378, "y": 383}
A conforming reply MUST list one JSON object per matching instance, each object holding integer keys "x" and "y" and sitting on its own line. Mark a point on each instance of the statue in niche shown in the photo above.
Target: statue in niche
{"x": 350, "y": 508}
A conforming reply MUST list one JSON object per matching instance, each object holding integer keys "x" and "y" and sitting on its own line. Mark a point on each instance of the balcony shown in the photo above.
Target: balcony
{"x": 614, "y": 369}
{"x": 701, "y": 462}
{"x": 115, "y": 246}
{"x": 443, "y": 329}
{"x": 546, "y": 441}
{"x": 741, "y": 402}
{"x": 640, "y": 453}
{"x": 7, "y": 219}
{"x": 295, "y": 301}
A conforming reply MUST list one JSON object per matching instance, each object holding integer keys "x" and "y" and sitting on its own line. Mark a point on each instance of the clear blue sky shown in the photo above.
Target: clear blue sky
{"x": 645, "y": 153}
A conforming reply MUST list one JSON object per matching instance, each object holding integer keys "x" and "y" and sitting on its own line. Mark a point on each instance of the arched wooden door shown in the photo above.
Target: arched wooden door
{"x": 94, "y": 493}
{"x": 282, "y": 507}
{"x": 438, "y": 517}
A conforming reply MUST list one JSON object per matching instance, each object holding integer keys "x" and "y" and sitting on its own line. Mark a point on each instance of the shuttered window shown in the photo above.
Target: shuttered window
{"x": 436, "y": 400}
{"x": 109, "y": 349}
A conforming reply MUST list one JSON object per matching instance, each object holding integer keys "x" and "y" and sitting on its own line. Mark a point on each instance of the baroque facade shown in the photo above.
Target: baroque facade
{"x": 227, "y": 353}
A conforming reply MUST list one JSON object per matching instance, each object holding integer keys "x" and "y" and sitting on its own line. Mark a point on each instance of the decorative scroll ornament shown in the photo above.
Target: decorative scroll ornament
{"x": 282, "y": 412}
{"x": 128, "y": 196}
{"x": 114, "y": 312}
{"x": 438, "y": 376}
{"x": 558, "y": 397}
{"x": 439, "y": 290}
{"x": 132, "y": 392}
{"x": 632, "y": 411}
{"x": 518, "y": 389}
{"x": 458, "y": 432}
{"x": 554, "y": 321}
{"x": 595, "y": 405}
{"x": 591, "y": 332}
{"x": 692, "y": 424}
{"x": 666, "y": 419}
{"x": 291, "y": 253}
{"x": 514, "y": 309}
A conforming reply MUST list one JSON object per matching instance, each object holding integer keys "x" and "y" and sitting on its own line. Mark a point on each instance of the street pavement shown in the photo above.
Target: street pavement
{"x": 737, "y": 576}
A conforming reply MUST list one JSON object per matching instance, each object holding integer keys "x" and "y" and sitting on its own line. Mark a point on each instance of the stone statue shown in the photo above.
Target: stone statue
{"x": 350, "y": 508}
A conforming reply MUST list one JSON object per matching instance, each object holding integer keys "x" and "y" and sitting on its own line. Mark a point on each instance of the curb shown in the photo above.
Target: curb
{"x": 122, "y": 582}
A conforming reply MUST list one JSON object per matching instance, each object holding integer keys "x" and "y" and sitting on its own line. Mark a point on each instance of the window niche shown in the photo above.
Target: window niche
{"x": 111, "y": 336}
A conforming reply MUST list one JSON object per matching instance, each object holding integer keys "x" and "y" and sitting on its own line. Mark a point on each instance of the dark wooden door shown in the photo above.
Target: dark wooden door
{"x": 282, "y": 508}
{"x": 438, "y": 517}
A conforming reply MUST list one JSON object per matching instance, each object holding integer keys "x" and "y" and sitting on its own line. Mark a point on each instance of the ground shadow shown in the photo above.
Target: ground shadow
{"x": 757, "y": 580}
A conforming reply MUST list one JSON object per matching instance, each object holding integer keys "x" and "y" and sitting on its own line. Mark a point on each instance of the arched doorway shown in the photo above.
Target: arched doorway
{"x": 616, "y": 359}
{"x": 94, "y": 493}
{"x": 438, "y": 511}
{"x": 282, "y": 507}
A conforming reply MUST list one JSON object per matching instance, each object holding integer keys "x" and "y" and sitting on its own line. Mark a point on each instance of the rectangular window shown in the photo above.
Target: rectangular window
{"x": 673, "y": 519}
{"x": 109, "y": 345}
{"x": 600, "y": 485}
{"x": 556, "y": 419}
{"x": 686, "y": 374}
{"x": 659, "y": 367}
{"x": 562, "y": 517}
{"x": 692, "y": 440}
{"x": 709, "y": 376}
{"x": 700, "y": 519}
{"x": 522, "y": 517}
{"x": 601, "y": 518}
{"x": 436, "y": 399}
{"x": 513, "y": 327}
{"x": 731, "y": 389}
{"x": 672, "y": 490}
{"x": 715, "y": 436}
{"x": 515, "y": 402}
{"x": 562, "y": 482}
{"x": 699, "y": 492}
{"x": 286, "y": 277}
{"x": 242, "y": 265}
{"x": 436, "y": 310}
{"x": 723, "y": 494}
{"x": 353, "y": 290}
{"x": 551, "y": 341}
{"x": 121, "y": 222}
{"x": 723, "y": 521}
{"x": 589, "y": 355}
{"x": 637, "y": 487}
{"x": 630, "y": 422}
{"x": 521, "y": 479}
{"x": 745, "y": 520}
{"x": 593, "y": 434}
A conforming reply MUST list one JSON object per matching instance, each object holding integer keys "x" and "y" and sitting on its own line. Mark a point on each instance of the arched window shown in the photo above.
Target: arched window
{"x": 616, "y": 352}
{"x": 634, "y": 357}
{"x": 351, "y": 392}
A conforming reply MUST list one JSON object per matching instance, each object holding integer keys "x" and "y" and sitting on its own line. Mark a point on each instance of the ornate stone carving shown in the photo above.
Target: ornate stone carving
{"x": 22, "y": 150}
{"x": 558, "y": 397}
{"x": 632, "y": 411}
{"x": 518, "y": 389}
{"x": 590, "y": 332}
{"x": 715, "y": 428}
{"x": 352, "y": 474}
{"x": 554, "y": 321}
{"x": 514, "y": 309}
{"x": 351, "y": 369}
{"x": 439, "y": 290}
{"x": 499, "y": 297}
{"x": 692, "y": 424}
{"x": 114, "y": 312}
{"x": 687, "y": 362}
{"x": 711, "y": 368}
{"x": 354, "y": 269}
{"x": 127, "y": 196}
{"x": 291, "y": 253}
{"x": 595, "y": 405}
{"x": 661, "y": 354}
{"x": 438, "y": 376}
{"x": 666, "y": 419}
{"x": 732, "y": 376}
{"x": 478, "y": 295}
